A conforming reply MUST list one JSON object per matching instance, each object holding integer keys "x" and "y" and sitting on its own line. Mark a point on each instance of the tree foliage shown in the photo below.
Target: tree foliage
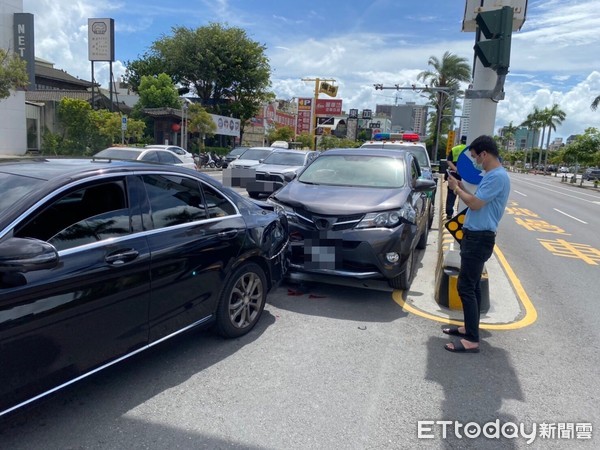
{"x": 229, "y": 72}
{"x": 585, "y": 149}
{"x": 305, "y": 140}
{"x": 158, "y": 91}
{"x": 285, "y": 133}
{"x": 201, "y": 122}
{"x": 329, "y": 141}
{"x": 85, "y": 131}
{"x": 148, "y": 65}
{"x": 13, "y": 73}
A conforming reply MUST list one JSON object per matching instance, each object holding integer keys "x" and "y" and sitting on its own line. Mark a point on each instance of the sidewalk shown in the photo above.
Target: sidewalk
{"x": 507, "y": 309}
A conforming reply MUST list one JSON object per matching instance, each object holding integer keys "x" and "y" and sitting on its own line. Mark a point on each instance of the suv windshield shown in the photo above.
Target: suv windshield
{"x": 285, "y": 159}
{"x": 255, "y": 154}
{"x": 358, "y": 171}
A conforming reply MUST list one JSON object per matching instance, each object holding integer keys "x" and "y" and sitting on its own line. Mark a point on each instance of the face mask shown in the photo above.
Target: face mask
{"x": 478, "y": 166}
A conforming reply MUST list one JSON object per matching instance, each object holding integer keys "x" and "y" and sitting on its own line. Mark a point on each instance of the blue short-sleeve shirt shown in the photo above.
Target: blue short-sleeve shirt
{"x": 493, "y": 190}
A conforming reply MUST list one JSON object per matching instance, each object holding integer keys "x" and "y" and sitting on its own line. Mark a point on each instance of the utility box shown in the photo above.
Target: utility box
{"x": 447, "y": 284}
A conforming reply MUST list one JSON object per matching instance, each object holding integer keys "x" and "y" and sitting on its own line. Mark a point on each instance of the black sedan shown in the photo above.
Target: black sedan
{"x": 358, "y": 213}
{"x": 100, "y": 260}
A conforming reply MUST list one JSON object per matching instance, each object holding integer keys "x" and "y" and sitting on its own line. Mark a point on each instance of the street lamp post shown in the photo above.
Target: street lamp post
{"x": 184, "y": 130}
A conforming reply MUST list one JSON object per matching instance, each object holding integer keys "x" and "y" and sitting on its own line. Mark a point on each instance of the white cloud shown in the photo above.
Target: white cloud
{"x": 553, "y": 58}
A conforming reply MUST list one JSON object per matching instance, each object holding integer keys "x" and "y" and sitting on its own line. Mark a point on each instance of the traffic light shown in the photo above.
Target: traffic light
{"x": 496, "y": 26}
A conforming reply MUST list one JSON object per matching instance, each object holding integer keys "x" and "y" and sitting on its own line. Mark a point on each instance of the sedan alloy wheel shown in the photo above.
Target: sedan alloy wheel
{"x": 242, "y": 301}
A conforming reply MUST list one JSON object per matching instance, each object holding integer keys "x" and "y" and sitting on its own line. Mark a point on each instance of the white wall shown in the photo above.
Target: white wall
{"x": 13, "y": 125}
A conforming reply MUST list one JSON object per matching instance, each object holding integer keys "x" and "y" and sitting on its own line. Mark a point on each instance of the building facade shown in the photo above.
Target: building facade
{"x": 407, "y": 117}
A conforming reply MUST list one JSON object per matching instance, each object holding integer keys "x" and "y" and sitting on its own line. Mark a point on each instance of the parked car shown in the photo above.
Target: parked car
{"x": 591, "y": 174}
{"x": 183, "y": 154}
{"x": 358, "y": 213}
{"x": 420, "y": 151}
{"x": 100, "y": 260}
{"x": 153, "y": 155}
{"x": 233, "y": 155}
{"x": 563, "y": 169}
{"x": 280, "y": 167}
{"x": 240, "y": 171}
{"x": 252, "y": 157}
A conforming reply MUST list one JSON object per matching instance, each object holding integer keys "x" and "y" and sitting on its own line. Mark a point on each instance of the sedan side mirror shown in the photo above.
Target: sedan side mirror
{"x": 27, "y": 255}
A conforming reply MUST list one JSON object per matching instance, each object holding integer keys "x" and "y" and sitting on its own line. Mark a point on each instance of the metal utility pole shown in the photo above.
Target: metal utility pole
{"x": 313, "y": 109}
{"x": 493, "y": 21}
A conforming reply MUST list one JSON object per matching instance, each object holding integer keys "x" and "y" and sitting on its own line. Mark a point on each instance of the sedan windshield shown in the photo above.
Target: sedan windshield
{"x": 285, "y": 159}
{"x": 355, "y": 170}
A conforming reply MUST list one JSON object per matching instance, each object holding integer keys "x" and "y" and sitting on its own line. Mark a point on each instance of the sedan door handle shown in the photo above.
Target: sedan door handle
{"x": 229, "y": 234}
{"x": 121, "y": 257}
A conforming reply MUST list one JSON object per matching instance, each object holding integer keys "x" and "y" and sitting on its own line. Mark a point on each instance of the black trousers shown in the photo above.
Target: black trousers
{"x": 476, "y": 247}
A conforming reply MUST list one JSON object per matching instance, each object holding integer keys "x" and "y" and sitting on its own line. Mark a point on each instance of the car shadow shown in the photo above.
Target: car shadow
{"x": 98, "y": 405}
{"x": 340, "y": 297}
{"x": 472, "y": 394}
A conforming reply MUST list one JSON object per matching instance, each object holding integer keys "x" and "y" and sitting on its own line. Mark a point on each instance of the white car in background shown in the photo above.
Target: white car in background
{"x": 155, "y": 155}
{"x": 182, "y": 153}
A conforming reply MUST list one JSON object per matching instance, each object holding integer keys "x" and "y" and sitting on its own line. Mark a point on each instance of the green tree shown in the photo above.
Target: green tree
{"x": 155, "y": 91}
{"x": 76, "y": 125}
{"x": 585, "y": 149}
{"x": 305, "y": 140}
{"x": 329, "y": 141}
{"x": 148, "y": 65}
{"x": 229, "y": 72}
{"x": 201, "y": 122}
{"x": 13, "y": 73}
{"x": 552, "y": 116}
{"x": 158, "y": 92}
{"x": 108, "y": 126}
{"x": 285, "y": 133}
{"x": 448, "y": 72}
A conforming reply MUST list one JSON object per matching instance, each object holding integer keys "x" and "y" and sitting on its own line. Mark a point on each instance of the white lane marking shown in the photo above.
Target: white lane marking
{"x": 568, "y": 215}
{"x": 520, "y": 193}
{"x": 538, "y": 186}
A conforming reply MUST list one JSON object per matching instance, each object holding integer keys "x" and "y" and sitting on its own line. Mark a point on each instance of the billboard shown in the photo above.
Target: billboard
{"x": 101, "y": 39}
{"x": 329, "y": 107}
{"x": 227, "y": 126}
{"x": 304, "y": 124}
{"x": 25, "y": 43}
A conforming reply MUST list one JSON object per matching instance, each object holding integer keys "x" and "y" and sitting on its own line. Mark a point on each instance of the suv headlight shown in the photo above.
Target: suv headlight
{"x": 389, "y": 219}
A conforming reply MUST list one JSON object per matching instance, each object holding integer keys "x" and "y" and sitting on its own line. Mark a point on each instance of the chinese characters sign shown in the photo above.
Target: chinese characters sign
{"x": 304, "y": 115}
{"x": 101, "y": 39}
{"x": 329, "y": 107}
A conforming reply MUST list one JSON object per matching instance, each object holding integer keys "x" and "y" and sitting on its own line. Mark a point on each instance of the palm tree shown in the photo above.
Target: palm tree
{"x": 554, "y": 116}
{"x": 448, "y": 72}
{"x": 595, "y": 103}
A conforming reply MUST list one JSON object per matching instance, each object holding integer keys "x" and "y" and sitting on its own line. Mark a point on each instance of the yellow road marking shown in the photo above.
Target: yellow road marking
{"x": 530, "y": 312}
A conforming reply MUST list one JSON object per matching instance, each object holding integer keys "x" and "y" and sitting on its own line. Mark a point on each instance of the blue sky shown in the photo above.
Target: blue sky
{"x": 554, "y": 59}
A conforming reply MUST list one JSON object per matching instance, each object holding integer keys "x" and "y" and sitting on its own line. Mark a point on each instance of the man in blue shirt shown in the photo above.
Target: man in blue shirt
{"x": 485, "y": 209}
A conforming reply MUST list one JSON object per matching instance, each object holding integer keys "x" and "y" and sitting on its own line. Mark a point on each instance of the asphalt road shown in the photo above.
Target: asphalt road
{"x": 335, "y": 366}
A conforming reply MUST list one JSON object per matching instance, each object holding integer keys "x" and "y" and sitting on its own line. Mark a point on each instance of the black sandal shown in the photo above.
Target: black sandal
{"x": 452, "y": 331}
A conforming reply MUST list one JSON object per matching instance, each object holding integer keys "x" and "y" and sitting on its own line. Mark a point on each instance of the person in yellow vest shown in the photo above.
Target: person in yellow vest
{"x": 452, "y": 158}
